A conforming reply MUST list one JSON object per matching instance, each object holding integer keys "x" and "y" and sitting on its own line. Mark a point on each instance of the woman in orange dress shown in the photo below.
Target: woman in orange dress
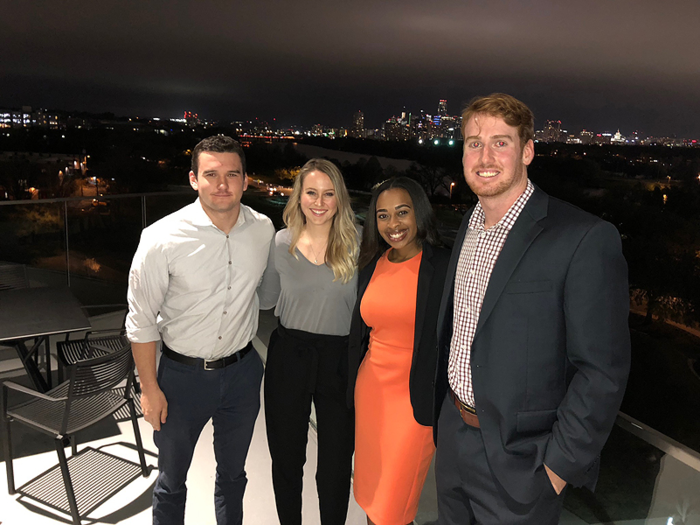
{"x": 393, "y": 351}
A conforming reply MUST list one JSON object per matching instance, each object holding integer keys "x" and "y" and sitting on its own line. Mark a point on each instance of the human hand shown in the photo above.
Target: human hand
{"x": 556, "y": 481}
{"x": 154, "y": 406}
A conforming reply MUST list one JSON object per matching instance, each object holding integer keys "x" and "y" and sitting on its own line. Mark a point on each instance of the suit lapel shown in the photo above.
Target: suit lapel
{"x": 525, "y": 230}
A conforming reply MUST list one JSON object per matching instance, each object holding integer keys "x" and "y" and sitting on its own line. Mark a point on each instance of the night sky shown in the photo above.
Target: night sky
{"x": 595, "y": 64}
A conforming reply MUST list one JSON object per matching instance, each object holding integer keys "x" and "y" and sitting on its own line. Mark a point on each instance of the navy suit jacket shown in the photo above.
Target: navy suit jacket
{"x": 551, "y": 352}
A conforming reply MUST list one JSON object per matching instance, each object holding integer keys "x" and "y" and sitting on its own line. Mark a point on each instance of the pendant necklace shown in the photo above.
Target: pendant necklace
{"x": 311, "y": 247}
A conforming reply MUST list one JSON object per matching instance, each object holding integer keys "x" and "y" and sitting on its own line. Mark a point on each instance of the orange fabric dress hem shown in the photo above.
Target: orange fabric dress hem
{"x": 392, "y": 450}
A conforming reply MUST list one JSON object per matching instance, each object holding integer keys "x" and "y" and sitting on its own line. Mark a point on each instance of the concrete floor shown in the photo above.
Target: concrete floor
{"x": 132, "y": 505}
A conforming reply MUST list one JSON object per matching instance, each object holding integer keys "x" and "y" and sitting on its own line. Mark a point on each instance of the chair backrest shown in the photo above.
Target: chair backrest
{"x": 91, "y": 376}
{"x": 13, "y": 276}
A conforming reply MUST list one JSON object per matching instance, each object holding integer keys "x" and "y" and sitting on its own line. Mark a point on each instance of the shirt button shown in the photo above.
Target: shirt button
{"x": 219, "y": 337}
{"x": 229, "y": 262}
{"x": 225, "y": 312}
{"x": 227, "y": 236}
{"x": 228, "y": 288}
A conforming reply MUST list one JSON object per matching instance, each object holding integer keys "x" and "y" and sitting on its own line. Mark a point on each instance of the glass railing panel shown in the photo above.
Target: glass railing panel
{"x": 663, "y": 390}
{"x": 33, "y": 234}
{"x": 645, "y": 477}
{"x": 102, "y": 238}
{"x": 159, "y": 205}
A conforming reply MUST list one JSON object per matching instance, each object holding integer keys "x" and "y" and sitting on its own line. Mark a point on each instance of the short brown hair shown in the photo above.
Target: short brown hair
{"x": 510, "y": 109}
{"x": 217, "y": 144}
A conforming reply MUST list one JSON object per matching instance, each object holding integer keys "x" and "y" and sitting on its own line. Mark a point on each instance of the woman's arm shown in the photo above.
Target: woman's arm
{"x": 270, "y": 288}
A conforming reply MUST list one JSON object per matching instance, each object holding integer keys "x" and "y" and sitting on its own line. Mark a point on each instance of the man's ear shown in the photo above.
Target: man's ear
{"x": 193, "y": 180}
{"x": 245, "y": 182}
{"x": 528, "y": 152}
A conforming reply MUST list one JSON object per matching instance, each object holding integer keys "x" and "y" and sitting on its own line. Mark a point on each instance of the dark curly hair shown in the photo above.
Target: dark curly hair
{"x": 373, "y": 244}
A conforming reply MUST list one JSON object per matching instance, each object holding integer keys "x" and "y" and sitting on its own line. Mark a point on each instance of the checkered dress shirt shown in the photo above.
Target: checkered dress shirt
{"x": 480, "y": 251}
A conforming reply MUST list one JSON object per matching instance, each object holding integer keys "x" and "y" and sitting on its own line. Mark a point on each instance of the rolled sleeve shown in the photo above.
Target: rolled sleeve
{"x": 148, "y": 284}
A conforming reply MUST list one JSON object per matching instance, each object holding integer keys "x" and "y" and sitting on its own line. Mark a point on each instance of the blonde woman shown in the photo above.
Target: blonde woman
{"x": 311, "y": 279}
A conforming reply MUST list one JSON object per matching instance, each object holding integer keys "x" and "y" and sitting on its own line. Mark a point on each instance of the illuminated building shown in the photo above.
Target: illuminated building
{"x": 358, "y": 125}
{"x": 552, "y": 131}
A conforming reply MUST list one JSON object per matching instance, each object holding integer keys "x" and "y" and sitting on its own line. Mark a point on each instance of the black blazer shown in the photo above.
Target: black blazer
{"x": 431, "y": 278}
{"x": 551, "y": 352}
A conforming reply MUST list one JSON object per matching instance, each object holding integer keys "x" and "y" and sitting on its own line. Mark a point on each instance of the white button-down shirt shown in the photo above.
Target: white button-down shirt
{"x": 195, "y": 286}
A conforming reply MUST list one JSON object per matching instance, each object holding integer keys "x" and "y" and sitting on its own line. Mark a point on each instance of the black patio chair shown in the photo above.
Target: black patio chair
{"x": 90, "y": 394}
{"x": 94, "y": 343}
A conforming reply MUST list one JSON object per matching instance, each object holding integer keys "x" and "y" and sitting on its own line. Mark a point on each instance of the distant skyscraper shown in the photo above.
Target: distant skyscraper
{"x": 358, "y": 125}
{"x": 442, "y": 108}
{"x": 552, "y": 131}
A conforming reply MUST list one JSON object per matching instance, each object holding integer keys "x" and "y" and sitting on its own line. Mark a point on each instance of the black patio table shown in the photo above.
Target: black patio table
{"x": 37, "y": 313}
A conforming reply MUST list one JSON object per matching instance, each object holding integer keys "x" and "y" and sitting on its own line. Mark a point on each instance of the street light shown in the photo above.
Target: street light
{"x": 452, "y": 185}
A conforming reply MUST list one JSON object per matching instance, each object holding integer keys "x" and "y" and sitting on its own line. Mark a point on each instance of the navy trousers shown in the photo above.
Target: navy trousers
{"x": 468, "y": 492}
{"x": 230, "y": 397}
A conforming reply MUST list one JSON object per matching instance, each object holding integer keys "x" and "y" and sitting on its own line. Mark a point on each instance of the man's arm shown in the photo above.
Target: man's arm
{"x": 148, "y": 283}
{"x": 596, "y": 309}
{"x": 153, "y": 402}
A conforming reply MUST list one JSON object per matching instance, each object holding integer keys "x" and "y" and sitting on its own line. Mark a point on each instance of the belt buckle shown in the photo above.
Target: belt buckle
{"x": 206, "y": 364}
{"x": 467, "y": 408}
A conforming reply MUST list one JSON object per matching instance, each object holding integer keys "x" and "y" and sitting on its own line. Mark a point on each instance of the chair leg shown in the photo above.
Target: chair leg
{"x": 47, "y": 347}
{"x": 67, "y": 481}
{"x": 73, "y": 445}
{"x": 137, "y": 435}
{"x": 7, "y": 451}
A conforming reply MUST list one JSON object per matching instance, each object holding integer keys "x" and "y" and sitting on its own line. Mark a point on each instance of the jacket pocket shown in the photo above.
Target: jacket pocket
{"x": 529, "y": 287}
{"x": 535, "y": 421}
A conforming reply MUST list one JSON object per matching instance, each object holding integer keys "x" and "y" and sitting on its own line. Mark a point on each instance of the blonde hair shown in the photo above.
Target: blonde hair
{"x": 343, "y": 246}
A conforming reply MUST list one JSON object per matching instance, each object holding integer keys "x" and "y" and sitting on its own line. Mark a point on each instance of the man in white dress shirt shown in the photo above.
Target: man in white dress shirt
{"x": 193, "y": 284}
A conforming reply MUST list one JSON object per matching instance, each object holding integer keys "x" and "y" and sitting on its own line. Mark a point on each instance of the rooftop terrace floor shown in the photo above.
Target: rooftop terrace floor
{"x": 34, "y": 453}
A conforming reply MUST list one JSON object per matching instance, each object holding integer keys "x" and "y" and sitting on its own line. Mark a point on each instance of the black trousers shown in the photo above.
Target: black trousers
{"x": 468, "y": 493}
{"x": 302, "y": 367}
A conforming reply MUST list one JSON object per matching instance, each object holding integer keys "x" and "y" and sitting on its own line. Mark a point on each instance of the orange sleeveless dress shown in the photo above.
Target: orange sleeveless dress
{"x": 392, "y": 450}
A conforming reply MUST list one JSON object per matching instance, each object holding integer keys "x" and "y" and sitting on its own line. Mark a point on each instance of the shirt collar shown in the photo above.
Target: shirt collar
{"x": 476, "y": 222}
{"x": 198, "y": 217}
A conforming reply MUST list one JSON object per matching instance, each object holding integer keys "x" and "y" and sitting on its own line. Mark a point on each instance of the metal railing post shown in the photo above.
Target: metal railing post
{"x": 65, "y": 230}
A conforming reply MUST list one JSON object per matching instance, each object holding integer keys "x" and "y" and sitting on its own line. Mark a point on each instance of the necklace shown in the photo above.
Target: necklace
{"x": 311, "y": 247}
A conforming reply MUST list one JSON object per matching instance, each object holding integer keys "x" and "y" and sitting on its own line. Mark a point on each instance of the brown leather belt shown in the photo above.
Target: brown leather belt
{"x": 468, "y": 413}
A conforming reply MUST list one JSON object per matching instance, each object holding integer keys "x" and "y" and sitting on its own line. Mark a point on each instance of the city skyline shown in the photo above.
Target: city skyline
{"x": 422, "y": 126}
{"x": 592, "y": 64}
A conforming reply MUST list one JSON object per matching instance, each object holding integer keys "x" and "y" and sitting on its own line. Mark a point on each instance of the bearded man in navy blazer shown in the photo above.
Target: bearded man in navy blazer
{"x": 533, "y": 336}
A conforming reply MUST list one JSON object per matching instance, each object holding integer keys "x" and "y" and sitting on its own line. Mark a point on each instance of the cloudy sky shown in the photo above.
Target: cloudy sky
{"x": 595, "y": 64}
